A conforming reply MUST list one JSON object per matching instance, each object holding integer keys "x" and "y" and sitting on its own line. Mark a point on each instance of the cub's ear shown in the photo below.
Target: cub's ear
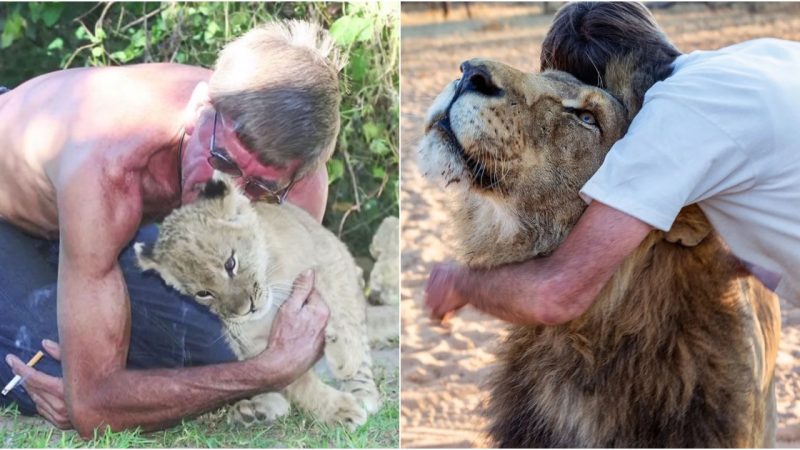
{"x": 147, "y": 261}
{"x": 222, "y": 187}
{"x": 144, "y": 256}
{"x": 219, "y": 186}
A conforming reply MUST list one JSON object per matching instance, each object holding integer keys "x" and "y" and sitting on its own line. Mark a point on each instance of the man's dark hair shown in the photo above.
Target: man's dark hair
{"x": 586, "y": 36}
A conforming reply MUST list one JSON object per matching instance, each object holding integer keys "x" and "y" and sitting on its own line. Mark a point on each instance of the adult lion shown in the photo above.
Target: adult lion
{"x": 679, "y": 348}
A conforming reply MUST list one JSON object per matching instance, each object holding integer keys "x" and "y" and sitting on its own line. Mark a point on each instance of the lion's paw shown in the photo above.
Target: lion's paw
{"x": 259, "y": 409}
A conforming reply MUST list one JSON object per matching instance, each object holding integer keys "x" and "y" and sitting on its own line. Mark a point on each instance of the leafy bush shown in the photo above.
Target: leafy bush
{"x": 40, "y": 37}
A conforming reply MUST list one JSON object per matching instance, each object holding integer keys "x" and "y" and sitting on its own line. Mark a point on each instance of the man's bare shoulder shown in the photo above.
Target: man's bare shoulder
{"x": 170, "y": 84}
{"x": 53, "y": 126}
{"x": 95, "y": 94}
{"x": 154, "y": 74}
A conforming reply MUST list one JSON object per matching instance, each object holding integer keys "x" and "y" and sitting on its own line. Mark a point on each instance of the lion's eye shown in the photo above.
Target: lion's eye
{"x": 205, "y": 295}
{"x": 583, "y": 115}
{"x": 587, "y": 118}
{"x": 230, "y": 265}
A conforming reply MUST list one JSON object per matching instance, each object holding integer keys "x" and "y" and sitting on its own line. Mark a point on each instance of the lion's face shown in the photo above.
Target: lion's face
{"x": 518, "y": 147}
{"x": 211, "y": 250}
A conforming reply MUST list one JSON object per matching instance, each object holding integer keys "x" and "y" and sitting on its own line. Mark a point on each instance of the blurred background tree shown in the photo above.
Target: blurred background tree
{"x": 40, "y": 37}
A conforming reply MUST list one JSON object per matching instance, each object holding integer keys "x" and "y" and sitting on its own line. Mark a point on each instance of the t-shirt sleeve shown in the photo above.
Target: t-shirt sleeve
{"x": 671, "y": 156}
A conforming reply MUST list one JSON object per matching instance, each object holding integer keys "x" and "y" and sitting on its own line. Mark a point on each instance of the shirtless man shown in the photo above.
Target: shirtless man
{"x": 89, "y": 158}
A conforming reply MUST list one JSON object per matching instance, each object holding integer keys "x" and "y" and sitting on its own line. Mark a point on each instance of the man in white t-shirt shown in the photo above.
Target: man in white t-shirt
{"x": 722, "y": 129}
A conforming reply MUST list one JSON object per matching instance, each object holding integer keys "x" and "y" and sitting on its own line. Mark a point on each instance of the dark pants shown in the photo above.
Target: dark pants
{"x": 167, "y": 329}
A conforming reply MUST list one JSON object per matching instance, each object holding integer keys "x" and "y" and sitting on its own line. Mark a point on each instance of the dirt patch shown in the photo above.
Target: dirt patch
{"x": 443, "y": 369}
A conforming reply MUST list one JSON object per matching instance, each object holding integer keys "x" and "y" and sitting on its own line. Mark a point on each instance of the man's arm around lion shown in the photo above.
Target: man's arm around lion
{"x": 551, "y": 290}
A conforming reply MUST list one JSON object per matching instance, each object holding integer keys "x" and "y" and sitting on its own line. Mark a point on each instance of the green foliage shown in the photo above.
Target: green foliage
{"x": 364, "y": 172}
{"x": 40, "y": 37}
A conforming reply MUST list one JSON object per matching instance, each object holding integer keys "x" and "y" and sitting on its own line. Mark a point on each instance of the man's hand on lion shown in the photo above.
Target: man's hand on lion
{"x": 441, "y": 296}
{"x": 298, "y": 333}
{"x": 550, "y": 290}
{"x": 45, "y": 390}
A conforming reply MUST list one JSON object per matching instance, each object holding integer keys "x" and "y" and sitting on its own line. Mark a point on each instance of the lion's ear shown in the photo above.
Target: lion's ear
{"x": 628, "y": 77}
{"x": 619, "y": 82}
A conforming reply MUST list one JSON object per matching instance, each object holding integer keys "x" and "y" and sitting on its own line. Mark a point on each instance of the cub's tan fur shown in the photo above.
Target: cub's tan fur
{"x": 679, "y": 348}
{"x": 240, "y": 259}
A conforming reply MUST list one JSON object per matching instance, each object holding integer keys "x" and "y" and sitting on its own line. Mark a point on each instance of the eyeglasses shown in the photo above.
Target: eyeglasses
{"x": 255, "y": 187}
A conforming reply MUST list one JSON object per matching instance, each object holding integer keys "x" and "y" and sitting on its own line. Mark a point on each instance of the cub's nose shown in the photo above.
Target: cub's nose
{"x": 477, "y": 79}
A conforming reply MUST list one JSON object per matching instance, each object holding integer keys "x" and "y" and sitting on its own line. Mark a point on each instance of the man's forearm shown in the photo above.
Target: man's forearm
{"x": 562, "y": 286}
{"x": 155, "y": 399}
{"x": 513, "y": 293}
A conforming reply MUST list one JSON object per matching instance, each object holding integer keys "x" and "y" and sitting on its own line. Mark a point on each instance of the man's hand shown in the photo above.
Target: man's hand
{"x": 442, "y": 296}
{"x": 298, "y": 332}
{"x": 45, "y": 390}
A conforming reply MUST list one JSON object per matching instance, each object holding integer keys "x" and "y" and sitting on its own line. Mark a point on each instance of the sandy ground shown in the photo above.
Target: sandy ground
{"x": 442, "y": 369}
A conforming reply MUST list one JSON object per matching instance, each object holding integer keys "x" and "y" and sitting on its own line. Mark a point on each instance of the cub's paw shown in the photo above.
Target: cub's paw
{"x": 362, "y": 386}
{"x": 365, "y": 393}
{"x": 259, "y": 409}
{"x": 346, "y": 410}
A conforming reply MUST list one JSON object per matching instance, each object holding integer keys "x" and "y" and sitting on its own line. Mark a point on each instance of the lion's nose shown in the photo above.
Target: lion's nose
{"x": 476, "y": 78}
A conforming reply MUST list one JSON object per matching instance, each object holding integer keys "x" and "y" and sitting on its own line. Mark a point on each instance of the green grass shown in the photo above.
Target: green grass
{"x": 296, "y": 430}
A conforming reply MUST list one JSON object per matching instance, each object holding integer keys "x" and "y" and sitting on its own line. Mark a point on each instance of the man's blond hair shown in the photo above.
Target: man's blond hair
{"x": 279, "y": 84}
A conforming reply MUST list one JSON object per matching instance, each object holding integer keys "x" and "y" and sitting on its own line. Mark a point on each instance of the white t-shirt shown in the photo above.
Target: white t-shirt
{"x": 722, "y": 131}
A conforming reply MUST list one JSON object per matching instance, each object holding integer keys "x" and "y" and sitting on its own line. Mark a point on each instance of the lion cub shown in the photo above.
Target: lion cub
{"x": 240, "y": 259}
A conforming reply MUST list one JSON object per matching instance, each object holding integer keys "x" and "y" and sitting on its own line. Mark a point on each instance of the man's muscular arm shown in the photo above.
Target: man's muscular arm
{"x": 550, "y": 290}
{"x": 99, "y": 212}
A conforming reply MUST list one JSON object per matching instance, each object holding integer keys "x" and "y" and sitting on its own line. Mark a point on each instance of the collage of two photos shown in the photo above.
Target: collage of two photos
{"x": 633, "y": 322}
{"x": 399, "y": 224}
{"x": 199, "y": 230}
{"x": 631, "y": 326}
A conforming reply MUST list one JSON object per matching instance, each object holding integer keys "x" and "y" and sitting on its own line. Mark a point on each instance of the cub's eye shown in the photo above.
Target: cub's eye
{"x": 587, "y": 117}
{"x": 205, "y": 295}
{"x": 230, "y": 265}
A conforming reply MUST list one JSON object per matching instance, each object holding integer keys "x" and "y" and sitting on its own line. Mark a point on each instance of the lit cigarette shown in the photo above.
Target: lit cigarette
{"x": 15, "y": 381}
